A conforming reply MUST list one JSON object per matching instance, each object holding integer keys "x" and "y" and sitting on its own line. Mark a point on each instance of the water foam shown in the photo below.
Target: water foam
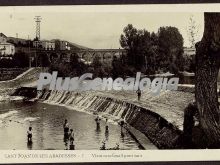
{"x": 31, "y": 118}
{"x": 7, "y": 114}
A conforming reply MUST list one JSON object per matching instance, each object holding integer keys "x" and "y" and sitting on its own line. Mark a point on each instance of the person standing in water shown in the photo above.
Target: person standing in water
{"x": 29, "y": 135}
{"x": 139, "y": 94}
{"x": 71, "y": 137}
{"x": 122, "y": 124}
{"x": 106, "y": 130}
{"x": 66, "y": 128}
{"x": 97, "y": 119}
{"x": 106, "y": 126}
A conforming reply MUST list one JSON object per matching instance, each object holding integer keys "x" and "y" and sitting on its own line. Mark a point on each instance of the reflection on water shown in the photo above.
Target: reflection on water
{"x": 106, "y": 135}
{"x": 98, "y": 132}
{"x": 122, "y": 135}
{"x": 66, "y": 142}
{"x": 47, "y": 128}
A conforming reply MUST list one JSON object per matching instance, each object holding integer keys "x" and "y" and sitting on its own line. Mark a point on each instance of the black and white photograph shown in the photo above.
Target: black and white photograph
{"x": 75, "y": 79}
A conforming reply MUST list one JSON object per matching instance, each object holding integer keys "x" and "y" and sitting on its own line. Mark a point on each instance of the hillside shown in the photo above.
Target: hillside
{"x": 16, "y": 40}
{"x": 74, "y": 46}
{"x": 24, "y": 41}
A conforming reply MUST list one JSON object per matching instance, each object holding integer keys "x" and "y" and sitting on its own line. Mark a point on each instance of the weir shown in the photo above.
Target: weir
{"x": 160, "y": 132}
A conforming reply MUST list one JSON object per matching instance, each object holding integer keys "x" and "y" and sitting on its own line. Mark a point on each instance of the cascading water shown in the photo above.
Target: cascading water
{"x": 89, "y": 102}
{"x": 156, "y": 128}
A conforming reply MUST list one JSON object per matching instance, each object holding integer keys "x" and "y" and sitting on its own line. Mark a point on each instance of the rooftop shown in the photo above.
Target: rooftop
{"x": 2, "y": 35}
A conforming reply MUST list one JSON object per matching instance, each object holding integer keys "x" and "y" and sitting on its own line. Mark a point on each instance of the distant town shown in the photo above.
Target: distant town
{"x": 10, "y": 45}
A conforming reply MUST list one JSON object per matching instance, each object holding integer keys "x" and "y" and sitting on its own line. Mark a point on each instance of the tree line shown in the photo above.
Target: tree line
{"x": 153, "y": 52}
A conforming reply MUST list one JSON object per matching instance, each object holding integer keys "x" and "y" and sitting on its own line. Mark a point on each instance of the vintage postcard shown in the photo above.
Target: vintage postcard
{"x": 109, "y": 83}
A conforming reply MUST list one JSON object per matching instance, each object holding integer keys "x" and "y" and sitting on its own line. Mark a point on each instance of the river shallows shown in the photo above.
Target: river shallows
{"x": 47, "y": 122}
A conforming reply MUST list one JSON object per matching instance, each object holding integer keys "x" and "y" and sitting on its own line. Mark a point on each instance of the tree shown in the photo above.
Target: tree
{"x": 96, "y": 62}
{"x": 6, "y": 63}
{"x": 77, "y": 67}
{"x": 20, "y": 59}
{"x": 170, "y": 48}
{"x": 192, "y": 31}
{"x": 43, "y": 60}
{"x": 137, "y": 43}
{"x": 117, "y": 67}
{"x": 98, "y": 67}
{"x": 207, "y": 68}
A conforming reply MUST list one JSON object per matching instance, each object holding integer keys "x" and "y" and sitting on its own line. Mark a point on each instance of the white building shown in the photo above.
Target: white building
{"x": 5, "y": 47}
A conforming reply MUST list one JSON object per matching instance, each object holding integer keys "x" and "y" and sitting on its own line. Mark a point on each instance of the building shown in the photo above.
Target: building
{"x": 6, "y": 48}
{"x": 3, "y": 38}
{"x": 61, "y": 45}
{"x": 44, "y": 44}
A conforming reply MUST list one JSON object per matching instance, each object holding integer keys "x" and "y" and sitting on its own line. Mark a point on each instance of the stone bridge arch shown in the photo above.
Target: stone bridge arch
{"x": 105, "y": 55}
{"x": 53, "y": 56}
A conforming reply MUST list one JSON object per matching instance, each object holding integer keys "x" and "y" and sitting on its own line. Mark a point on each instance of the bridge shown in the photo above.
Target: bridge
{"x": 86, "y": 55}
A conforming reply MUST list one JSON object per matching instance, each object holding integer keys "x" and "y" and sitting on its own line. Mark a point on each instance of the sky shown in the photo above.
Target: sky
{"x": 100, "y": 30}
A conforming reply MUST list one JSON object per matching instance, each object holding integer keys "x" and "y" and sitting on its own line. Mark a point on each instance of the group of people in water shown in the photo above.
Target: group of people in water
{"x": 121, "y": 123}
{"x": 98, "y": 119}
{"x": 69, "y": 134}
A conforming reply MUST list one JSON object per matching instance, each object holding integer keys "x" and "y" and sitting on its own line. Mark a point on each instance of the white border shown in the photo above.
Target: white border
{"x": 22, "y": 156}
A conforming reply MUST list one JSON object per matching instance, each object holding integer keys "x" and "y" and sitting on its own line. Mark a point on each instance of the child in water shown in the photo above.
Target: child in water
{"x": 29, "y": 134}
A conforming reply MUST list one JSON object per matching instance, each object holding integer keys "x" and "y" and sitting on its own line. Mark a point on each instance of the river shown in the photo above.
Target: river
{"x": 47, "y": 123}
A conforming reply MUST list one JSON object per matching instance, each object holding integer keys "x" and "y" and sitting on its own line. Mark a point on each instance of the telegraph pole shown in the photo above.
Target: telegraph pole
{"x": 29, "y": 52}
{"x": 37, "y": 20}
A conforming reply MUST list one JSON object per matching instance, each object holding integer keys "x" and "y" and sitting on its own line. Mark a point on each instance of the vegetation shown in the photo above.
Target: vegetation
{"x": 69, "y": 69}
{"x": 153, "y": 52}
{"x": 18, "y": 60}
{"x": 193, "y": 30}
